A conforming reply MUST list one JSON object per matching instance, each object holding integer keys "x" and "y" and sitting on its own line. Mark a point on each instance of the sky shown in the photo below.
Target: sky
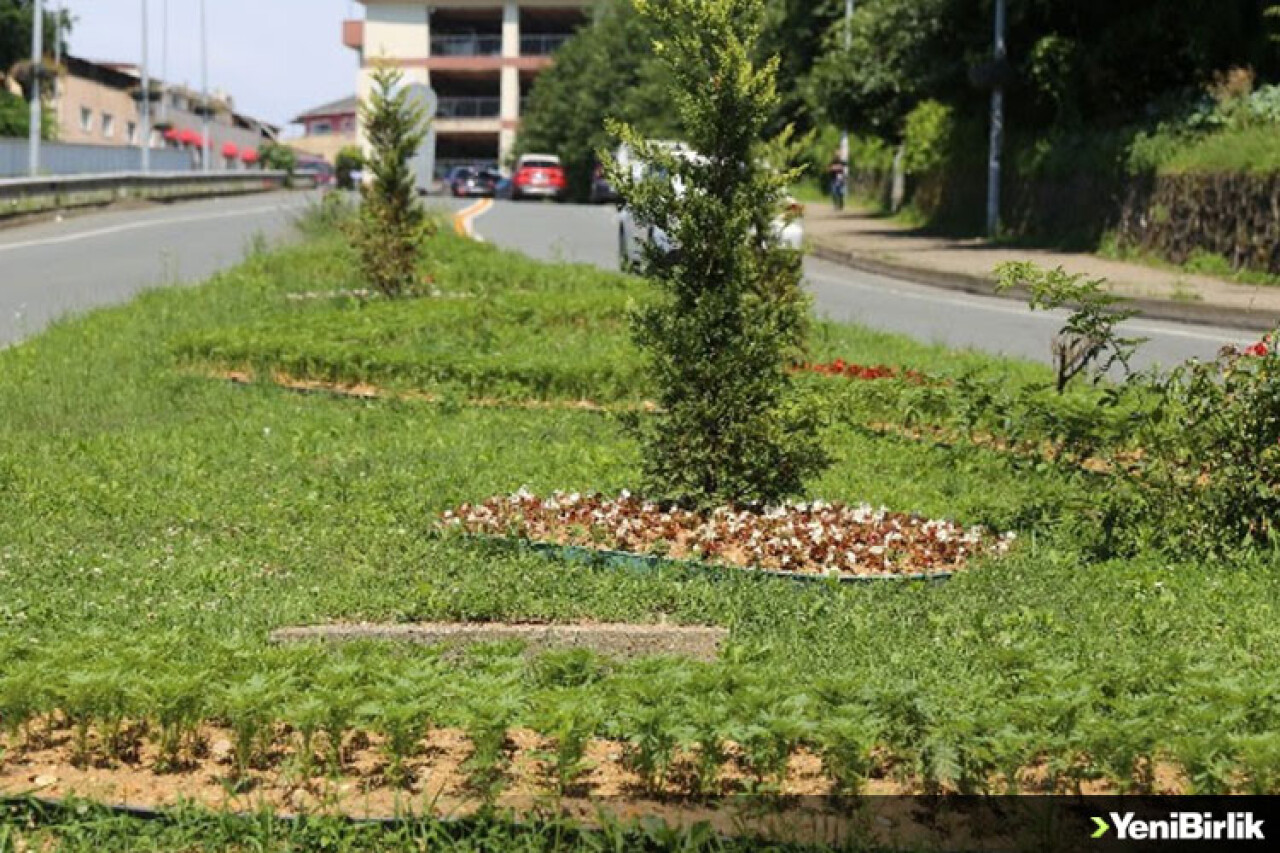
{"x": 276, "y": 58}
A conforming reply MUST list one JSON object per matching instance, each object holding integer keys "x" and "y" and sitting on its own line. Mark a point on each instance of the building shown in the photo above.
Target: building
{"x": 480, "y": 56}
{"x": 98, "y": 103}
{"x": 327, "y": 129}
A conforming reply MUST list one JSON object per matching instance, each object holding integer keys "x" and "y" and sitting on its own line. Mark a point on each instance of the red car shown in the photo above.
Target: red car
{"x": 539, "y": 176}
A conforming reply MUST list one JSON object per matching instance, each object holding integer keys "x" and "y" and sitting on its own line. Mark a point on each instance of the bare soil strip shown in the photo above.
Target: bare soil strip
{"x": 436, "y": 784}
{"x": 614, "y": 640}
{"x": 366, "y": 391}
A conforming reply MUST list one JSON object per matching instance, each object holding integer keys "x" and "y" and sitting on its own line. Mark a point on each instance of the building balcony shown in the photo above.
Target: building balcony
{"x": 353, "y": 34}
{"x": 466, "y": 45}
{"x": 542, "y": 44}
{"x": 468, "y": 107}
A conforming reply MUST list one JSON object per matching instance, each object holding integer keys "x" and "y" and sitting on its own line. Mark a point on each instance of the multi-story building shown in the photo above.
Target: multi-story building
{"x": 327, "y": 129}
{"x": 97, "y": 103}
{"x": 479, "y": 56}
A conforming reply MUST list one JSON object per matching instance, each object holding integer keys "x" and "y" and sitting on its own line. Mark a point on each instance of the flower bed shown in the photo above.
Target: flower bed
{"x": 864, "y": 372}
{"x": 815, "y": 538}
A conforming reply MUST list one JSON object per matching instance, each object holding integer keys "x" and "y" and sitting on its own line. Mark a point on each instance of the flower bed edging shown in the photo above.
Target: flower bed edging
{"x": 654, "y": 564}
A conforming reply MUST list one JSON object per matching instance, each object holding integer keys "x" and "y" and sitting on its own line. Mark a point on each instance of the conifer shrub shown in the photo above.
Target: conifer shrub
{"x": 732, "y": 317}
{"x": 392, "y": 225}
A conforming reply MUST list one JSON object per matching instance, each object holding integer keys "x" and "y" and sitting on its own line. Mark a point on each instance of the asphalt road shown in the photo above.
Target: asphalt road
{"x": 56, "y": 268}
{"x": 589, "y": 235}
{"x": 51, "y": 269}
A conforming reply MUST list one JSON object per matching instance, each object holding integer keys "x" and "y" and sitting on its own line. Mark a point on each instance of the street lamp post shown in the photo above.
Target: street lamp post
{"x": 204, "y": 86}
{"x": 37, "y": 60}
{"x": 997, "y": 125}
{"x": 848, "y": 45}
{"x": 145, "y": 130}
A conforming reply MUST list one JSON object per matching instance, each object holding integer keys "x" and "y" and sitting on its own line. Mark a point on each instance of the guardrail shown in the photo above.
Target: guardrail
{"x": 468, "y": 107}
{"x": 59, "y": 192}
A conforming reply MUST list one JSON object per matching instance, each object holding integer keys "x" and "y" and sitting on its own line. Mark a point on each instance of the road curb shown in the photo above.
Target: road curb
{"x": 1191, "y": 313}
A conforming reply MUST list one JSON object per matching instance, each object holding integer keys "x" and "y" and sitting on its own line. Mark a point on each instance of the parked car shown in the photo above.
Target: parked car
{"x": 470, "y": 182}
{"x": 634, "y": 235}
{"x": 323, "y": 173}
{"x": 539, "y": 176}
{"x": 602, "y": 191}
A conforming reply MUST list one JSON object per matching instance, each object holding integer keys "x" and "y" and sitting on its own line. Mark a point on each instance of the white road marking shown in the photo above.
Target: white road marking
{"x": 134, "y": 226}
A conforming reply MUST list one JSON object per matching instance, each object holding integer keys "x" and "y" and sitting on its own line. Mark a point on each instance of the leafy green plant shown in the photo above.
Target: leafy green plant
{"x": 176, "y": 697}
{"x": 845, "y": 742}
{"x": 569, "y": 719}
{"x": 1090, "y": 339}
{"x": 249, "y": 706}
{"x": 491, "y": 709}
{"x": 733, "y": 315}
{"x": 392, "y": 225}
{"x": 400, "y": 710}
{"x": 1211, "y": 476}
{"x": 350, "y": 159}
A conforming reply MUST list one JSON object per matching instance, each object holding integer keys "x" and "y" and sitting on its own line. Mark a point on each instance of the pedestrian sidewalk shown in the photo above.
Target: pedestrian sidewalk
{"x": 876, "y": 244}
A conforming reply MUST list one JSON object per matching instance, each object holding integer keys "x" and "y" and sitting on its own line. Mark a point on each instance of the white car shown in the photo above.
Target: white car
{"x": 634, "y": 236}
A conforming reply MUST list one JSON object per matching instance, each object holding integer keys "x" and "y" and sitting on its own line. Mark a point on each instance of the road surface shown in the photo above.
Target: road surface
{"x": 589, "y": 235}
{"x": 55, "y": 268}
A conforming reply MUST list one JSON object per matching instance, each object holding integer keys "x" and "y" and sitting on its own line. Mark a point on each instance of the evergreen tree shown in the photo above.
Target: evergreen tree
{"x": 392, "y": 225}
{"x": 733, "y": 316}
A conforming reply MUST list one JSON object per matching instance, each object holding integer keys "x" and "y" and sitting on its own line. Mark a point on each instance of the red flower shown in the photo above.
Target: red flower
{"x": 1259, "y": 349}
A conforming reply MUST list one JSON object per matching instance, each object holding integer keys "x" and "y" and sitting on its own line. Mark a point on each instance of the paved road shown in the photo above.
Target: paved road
{"x": 589, "y": 235}
{"x": 56, "y": 268}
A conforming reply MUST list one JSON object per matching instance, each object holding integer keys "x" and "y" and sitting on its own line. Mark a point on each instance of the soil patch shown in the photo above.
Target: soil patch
{"x": 614, "y": 640}
{"x": 367, "y": 391}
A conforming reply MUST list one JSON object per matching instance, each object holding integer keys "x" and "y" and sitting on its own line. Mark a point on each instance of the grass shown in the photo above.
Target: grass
{"x": 1248, "y": 149}
{"x": 154, "y": 521}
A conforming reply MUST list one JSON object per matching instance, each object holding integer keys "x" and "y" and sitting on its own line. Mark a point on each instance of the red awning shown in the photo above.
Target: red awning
{"x": 249, "y": 155}
{"x": 229, "y": 149}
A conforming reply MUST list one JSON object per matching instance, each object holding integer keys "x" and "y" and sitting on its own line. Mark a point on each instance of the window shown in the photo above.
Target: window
{"x": 86, "y": 119}
{"x": 133, "y": 133}
{"x": 321, "y": 128}
{"x": 108, "y": 125}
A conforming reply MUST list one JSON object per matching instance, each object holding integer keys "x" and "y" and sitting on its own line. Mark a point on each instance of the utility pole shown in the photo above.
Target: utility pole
{"x": 145, "y": 103}
{"x": 848, "y": 45}
{"x": 204, "y": 86}
{"x": 997, "y": 126}
{"x": 37, "y": 61}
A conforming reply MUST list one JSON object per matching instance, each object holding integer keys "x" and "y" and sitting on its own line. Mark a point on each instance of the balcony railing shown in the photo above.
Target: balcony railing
{"x": 468, "y": 107}
{"x": 542, "y": 44}
{"x": 466, "y": 45}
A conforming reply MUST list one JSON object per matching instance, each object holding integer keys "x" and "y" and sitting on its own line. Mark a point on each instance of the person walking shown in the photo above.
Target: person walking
{"x": 838, "y": 174}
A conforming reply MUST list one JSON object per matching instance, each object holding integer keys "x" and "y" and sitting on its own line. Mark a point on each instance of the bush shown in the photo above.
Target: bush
{"x": 276, "y": 157}
{"x": 734, "y": 316}
{"x": 927, "y": 139}
{"x": 350, "y": 159}
{"x": 392, "y": 225}
{"x": 1211, "y": 474}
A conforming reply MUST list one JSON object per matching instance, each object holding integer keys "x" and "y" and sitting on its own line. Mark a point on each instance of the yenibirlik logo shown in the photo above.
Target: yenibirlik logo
{"x": 1183, "y": 826}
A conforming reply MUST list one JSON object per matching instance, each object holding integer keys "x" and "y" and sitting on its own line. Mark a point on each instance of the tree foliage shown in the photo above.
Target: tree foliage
{"x": 16, "y": 17}
{"x": 392, "y": 224}
{"x": 607, "y": 72}
{"x": 1088, "y": 61}
{"x": 733, "y": 316}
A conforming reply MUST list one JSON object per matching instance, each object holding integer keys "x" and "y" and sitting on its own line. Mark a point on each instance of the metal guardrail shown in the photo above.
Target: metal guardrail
{"x": 468, "y": 107}
{"x": 542, "y": 44}
{"x": 466, "y": 45}
{"x": 56, "y": 192}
